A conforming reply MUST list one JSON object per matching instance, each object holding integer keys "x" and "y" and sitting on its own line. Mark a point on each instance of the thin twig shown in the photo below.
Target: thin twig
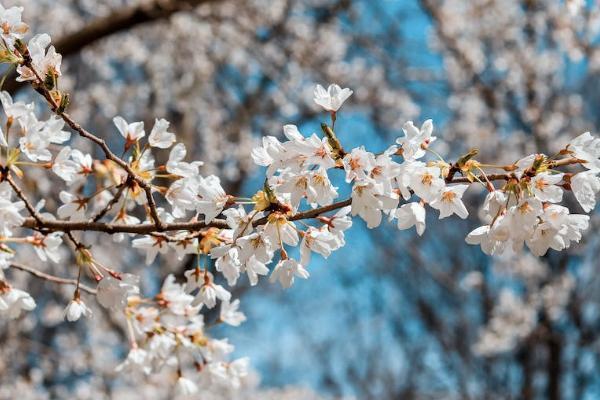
{"x": 22, "y": 196}
{"x": 52, "y": 278}
{"x": 110, "y": 204}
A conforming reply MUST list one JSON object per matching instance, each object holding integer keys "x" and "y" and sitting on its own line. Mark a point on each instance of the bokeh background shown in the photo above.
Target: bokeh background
{"x": 392, "y": 315}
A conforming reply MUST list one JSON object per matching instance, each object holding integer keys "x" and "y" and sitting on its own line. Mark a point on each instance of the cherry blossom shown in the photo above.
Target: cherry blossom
{"x": 286, "y": 271}
{"x": 10, "y": 212}
{"x": 47, "y": 247}
{"x": 14, "y": 110}
{"x": 426, "y": 182}
{"x": 212, "y": 197}
{"x": 544, "y": 187}
{"x": 75, "y": 310}
{"x": 137, "y": 360}
{"x": 72, "y": 165}
{"x": 14, "y": 301}
{"x": 208, "y": 292}
{"x": 132, "y": 132}
{"x": 585, "y": 185}
{"x": 113, "y": 293}
{"x": 159, "y": 136}
{"x": 230, "y": 314}
{"x": 411, "y": 214}
{"x": 186, "y": 387}
{"x": 45, "y": 62}
{"x": 415, "y": 141}
{"x": 73, "y": 207}
{"x": 177, "y": 166}
{"x": 332, "y": 98}
{"x": 449, "y": 202}
{"x": 12, "y": 26}
{"x": 152, "y": 245}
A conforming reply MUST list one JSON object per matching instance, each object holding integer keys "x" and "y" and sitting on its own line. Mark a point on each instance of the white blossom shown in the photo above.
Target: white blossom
{"x": 176, "y": 165}
{"x": 586, "y": 147}
{"x": 75, "y": 309}
{"x": 254, "y": 267}
{"x": 426, "y": 182}
{"x": 415, "y": 141}
{"x": 12, "y": 26}
{"x": 14, "y": 110}
{"x": 332, "y": 98}
{"x": 585, "y": 185}
{"x": 208, "y": 291}
{"x": 14, "y": 301}
{"x": 45, "y": 60}
{"x": 229, "y": 313}
{"x": 137, "y": 360}
{"x": 212, "y": 197}
{"x": 544, "y": 187}
{"x": 411, "y": 214}
{"x": 132, "y": 132}
{"x": 186, "y": 387}
{"x": 286, "y": 271}
{"x": 320, "y": 241}
{"x": 73, "y": 207}
{"x": 450, "y": 202}
{"x": 152, "y": 245}
{"x": 159, "y": 136}
{"x": 47, "y": 247}
{"x": 113, "y": 293}
{"x": 369, "y": 200}
{"x": 175, "y": 297}
{"x": 10, "y": 212}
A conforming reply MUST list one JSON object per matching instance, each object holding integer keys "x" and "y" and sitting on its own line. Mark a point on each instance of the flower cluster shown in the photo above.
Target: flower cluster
{"x": 169, "y": 330}
{"x": 525, "y": 210}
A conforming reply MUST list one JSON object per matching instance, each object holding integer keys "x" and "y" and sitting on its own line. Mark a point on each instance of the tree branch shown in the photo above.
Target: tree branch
{"x": 36, "y": 216}
{"x": 52, "y": 278}
{"x": 149, "y": 228}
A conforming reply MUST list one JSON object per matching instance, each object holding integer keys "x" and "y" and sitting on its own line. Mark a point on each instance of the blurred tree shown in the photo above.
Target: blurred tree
{"x": 427, "y": 320}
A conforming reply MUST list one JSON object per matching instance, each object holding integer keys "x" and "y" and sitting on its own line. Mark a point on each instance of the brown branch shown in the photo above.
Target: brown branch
{"x": 52, "y": 278}
{"x": 36, "y": 216}
{"x": 145, "y": 228}
{"x": 149, "y": 228}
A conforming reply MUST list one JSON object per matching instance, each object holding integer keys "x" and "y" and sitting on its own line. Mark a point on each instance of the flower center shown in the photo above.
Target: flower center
{"x": 541, "y": 184}
{"x": 448, "y": 196}
{"x": 426, "y": 179}
{"x": 525, "y": 208}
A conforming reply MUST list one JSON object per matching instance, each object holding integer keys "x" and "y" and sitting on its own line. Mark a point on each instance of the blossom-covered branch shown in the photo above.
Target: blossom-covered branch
{"x": 297, "y": 207}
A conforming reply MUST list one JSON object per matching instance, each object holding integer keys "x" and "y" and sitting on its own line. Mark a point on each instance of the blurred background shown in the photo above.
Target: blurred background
{"x": 391, "y": 315}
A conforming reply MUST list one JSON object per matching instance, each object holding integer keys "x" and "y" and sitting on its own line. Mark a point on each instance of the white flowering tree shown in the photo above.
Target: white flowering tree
{"x": 131, "y": 186}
